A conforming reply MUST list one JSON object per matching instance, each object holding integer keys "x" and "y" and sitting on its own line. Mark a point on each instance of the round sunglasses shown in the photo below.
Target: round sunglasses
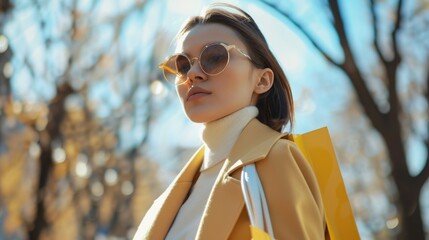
{"x": 213, "y": 60}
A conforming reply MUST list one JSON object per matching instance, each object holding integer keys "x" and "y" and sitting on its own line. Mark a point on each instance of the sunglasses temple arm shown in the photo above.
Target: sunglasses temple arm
{"x": 167, "y": 68}
{"x": 244, "y": 54}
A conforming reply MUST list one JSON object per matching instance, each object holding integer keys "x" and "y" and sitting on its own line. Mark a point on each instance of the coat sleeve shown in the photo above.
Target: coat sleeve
{"x": 292, "y": 193}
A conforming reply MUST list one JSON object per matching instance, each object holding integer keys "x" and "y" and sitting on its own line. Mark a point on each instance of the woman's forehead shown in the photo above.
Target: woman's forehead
{"x": 200, "y": 35}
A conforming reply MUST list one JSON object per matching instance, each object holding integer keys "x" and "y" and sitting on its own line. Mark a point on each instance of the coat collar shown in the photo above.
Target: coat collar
{"x": 253, "y": 145}
{"x": 157, "y": 221}
{"x": 226, "y": 200}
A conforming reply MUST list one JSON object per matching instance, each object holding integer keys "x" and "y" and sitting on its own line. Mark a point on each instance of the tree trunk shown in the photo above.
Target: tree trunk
{"x": 52, "y": 132}
{"x": 412, "y": 221}
{"x": 408, "y": 193}
{"x": 45, "y": 168}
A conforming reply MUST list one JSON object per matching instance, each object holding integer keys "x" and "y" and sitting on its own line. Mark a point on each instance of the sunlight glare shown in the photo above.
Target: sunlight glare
{"x": 180, "y": 7}
{"x": 158, "y": 89}
{"x": 111, "y": 177}
{"x": 83, "y": 169}
{"x": 392, "y": 223}
{"x": 288, "y": 49}
{"x": 4, "y": 43}
{"x": 97, "y": 189}
{"x": 59, "y": 155}
{"x": 8, "y": 70}
{"x": 127, "y": 188}
{"x": 35, "y": 150}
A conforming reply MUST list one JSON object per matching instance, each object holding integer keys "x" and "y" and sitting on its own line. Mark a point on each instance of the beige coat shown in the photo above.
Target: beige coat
{"x": 290, "y": 187}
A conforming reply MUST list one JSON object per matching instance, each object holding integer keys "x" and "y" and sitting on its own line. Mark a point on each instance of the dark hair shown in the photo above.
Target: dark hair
{"x": 276, "y": 105}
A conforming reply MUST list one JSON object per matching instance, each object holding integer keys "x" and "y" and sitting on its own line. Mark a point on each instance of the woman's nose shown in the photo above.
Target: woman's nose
{"x": 195, "y": 72}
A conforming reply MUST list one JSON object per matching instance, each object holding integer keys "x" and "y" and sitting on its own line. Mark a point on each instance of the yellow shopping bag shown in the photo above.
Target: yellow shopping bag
{"x": 258, "y": 234}
{"x": 319, "y": 151}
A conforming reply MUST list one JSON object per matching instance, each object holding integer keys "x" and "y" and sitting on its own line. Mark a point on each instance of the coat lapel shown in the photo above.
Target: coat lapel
{"x": 226, "y": 201}
{"x": 254, "y": 143}
{"x": 223, "y": 207}
{"x": 160, "y": 217}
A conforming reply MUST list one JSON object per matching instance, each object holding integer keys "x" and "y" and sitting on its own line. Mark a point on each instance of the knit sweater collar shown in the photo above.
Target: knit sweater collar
{"x": 220, "y": 135}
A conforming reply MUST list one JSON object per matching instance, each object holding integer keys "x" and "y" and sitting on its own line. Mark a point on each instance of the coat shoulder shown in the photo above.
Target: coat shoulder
{"x": 292, "y": 192}
{"x": 285, "y": 150}
{"x": 285, "y": 162}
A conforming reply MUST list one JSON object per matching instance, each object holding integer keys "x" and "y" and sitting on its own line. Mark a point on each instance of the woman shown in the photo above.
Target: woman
{"x": 227, "y": 79}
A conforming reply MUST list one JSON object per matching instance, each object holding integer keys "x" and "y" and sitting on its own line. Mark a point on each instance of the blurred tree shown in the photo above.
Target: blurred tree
{"x": 5, "y": 57}
{"x": 5, "y": 6}
{"x": 398, "y": 112}
{"x": 75, "y": 123}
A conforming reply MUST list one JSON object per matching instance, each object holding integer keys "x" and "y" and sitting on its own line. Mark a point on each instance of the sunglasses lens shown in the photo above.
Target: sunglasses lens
{"x": 214, "y": 59}
{"x": 182, "y": 65}
{"x": 175, "y": 67}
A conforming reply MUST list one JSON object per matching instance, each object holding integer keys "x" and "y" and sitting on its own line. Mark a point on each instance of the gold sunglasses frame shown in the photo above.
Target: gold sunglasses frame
{"x": 165, "y": 67}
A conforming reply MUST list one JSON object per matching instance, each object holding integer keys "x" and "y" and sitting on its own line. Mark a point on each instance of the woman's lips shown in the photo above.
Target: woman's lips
{"x": 196, "y": 93}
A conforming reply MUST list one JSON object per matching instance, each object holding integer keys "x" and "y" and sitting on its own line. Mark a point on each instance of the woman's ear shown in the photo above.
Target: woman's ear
{"x": 265, "y": 81}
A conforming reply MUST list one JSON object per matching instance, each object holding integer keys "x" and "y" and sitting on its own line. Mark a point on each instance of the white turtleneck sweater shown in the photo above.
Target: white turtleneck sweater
{"x": 219, "y": 137}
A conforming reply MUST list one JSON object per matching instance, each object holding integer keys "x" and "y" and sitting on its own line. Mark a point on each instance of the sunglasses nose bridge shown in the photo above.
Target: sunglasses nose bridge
{"x": 195, "y": 69}
{"x": 192, "y": 60}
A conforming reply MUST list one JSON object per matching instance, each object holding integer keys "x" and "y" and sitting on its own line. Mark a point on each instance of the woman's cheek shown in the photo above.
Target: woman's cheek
{"x": 181, "y": 93}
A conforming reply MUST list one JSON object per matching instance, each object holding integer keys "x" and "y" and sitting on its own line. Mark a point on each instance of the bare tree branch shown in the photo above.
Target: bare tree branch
{"x": 339, "y": 27}
{"x": 392, "y": 67}
{"x": 375, "y": 33}
{"x": 306, "y": 33}
{"x": 387, "y": 124}
{"x": 427, "y": 85}
{"x": 351, "y": 69}
{"x": 349, "y": 65}
{"x": 397, "y": 57}
{"x": 5, "y": 6}
{"x": 424, "y": 174}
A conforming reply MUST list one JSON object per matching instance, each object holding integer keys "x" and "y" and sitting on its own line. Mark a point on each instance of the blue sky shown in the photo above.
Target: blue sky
{"x": 321, "y": 92}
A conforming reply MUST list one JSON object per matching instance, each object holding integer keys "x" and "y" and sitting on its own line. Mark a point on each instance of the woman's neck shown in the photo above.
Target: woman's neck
{"x": 220, "y": 135}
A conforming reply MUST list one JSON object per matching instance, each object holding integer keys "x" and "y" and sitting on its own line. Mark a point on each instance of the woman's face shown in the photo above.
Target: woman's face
{"x": 207, "y": 98}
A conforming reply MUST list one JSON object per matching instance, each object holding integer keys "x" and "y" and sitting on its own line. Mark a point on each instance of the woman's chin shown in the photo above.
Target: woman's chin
{"x": 198, "y": 119}
{"x": 201, "y": 117}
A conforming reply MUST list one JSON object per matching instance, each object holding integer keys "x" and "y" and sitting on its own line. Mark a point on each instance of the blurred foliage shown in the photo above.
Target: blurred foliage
{"x": 71, "y": 162}
{"x": 80, "y": 95}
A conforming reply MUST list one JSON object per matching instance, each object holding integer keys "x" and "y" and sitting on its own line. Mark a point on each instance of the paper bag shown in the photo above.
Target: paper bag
{"x": 319, "y": 151}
